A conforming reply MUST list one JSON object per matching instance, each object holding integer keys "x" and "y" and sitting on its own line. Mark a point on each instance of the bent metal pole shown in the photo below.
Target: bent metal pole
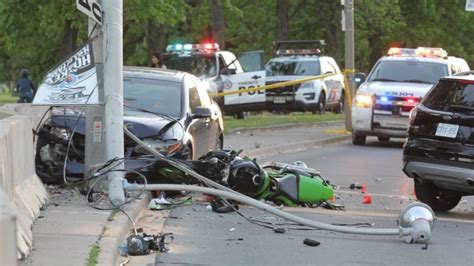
{"x": 266, "y": 207}
{"x": 411, "y": 233}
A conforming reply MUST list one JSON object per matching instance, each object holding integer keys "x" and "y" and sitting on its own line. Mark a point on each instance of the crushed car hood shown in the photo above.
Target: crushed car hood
{"x": 141, "y": 124}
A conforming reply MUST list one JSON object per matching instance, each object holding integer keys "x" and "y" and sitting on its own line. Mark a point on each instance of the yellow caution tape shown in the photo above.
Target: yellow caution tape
{"x": 273, "y": 86}
{"x": 293, "y": 82}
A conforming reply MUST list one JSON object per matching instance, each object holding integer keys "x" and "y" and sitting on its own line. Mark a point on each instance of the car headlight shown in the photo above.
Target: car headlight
{"x": 363, "y": 100}
{"x": 163, "y": 147}
{"x": 307, "y": 85}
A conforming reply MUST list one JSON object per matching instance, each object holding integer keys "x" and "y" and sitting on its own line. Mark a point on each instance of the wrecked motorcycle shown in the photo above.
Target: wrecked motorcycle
{"x": 287, "y": 184}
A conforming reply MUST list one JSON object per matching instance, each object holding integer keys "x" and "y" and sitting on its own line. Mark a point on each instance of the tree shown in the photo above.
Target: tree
{"x": 218, "y": 26}
{"x": 282, "y": 20}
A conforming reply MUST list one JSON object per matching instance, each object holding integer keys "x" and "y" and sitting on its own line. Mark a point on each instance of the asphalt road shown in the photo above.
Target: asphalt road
{"x": 204, "y": 237}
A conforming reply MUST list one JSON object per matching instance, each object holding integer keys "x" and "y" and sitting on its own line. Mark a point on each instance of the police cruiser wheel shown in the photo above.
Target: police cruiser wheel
{"x": 321, "y": 103}
{"x": 358, "y": 139}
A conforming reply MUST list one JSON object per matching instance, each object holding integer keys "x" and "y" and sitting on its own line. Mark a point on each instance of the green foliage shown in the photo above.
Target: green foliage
{"x": 38, "y": 34}
{"x": 7, "y": 97}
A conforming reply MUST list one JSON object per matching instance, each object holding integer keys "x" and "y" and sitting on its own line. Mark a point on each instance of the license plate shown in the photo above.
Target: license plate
{"x": 447, "y": 130}
{"x": 279, "y": 100}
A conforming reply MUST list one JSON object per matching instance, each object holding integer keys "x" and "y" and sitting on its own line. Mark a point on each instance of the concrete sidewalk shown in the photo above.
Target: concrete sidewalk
{"x": 68, "y": 229}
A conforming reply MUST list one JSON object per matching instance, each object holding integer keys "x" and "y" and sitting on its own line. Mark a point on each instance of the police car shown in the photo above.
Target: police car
{"x": 397, "y": 83}
{"x": 224, "y": 71}
{"x": 316, "y": 95}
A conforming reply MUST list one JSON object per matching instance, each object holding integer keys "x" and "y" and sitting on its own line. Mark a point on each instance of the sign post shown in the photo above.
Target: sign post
{"x": 91, "y": 8}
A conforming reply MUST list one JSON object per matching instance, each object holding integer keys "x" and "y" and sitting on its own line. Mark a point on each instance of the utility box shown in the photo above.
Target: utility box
{"x": 8, "y": 252}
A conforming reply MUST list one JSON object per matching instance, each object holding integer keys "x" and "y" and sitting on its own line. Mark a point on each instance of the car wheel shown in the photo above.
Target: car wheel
{"x": 384, "y": 139}
{"x": 240, "y": 115}
{"x": 321, "y": 108}
{"x": 358, "y": 139}
{"x": 437, "y": 198}
{"x": 43, "y": 170}
{"x": 340, "y": 109}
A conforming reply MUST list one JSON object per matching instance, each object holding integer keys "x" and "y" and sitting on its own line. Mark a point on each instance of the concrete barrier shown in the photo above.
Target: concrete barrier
{"x": 7, "y": 232}
{"x": 18, "y": 179}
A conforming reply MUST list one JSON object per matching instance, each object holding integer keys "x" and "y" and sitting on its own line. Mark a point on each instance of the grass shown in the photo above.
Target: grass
{"x": 112, "y": 215}
{"x": 93, "y": 254}
{"x": 6, "y": 97}
{"x": 268, "y": 119}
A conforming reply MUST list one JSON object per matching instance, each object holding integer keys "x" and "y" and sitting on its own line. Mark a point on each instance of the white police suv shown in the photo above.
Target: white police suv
{"x": 224, "y": 71}
{"x": 394, "y": 86}
{"x": 317, "y": 95}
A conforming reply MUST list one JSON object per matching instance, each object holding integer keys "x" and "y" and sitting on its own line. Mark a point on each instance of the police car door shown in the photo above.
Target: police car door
{"x": 245, "y": 73}
{"x": 334, "y": 84}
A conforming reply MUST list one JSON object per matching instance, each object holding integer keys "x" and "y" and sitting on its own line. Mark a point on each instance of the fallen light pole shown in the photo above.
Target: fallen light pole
{"x": 415, "y": 221}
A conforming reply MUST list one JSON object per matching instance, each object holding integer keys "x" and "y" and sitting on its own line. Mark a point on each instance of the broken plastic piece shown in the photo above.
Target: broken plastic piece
{"x": 363, "y": 189}
{"x": 367, "y": 199}
{"x": 279, "y": 230}
{"x": 354, "y": 186}
{"x": 311, "y": 242}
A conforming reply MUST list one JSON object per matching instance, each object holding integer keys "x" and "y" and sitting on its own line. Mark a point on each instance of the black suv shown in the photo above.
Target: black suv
{"x": 439, "y": 151}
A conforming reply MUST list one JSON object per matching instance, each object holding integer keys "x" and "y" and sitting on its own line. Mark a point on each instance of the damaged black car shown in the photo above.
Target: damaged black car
{"x": 170, "y": 111}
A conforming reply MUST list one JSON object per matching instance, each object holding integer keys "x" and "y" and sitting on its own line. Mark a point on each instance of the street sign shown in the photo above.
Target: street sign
{"x": 91, "y": 8}
{"x": 470, "y": 5}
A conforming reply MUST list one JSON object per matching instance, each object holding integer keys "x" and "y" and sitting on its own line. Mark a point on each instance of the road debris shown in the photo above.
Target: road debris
{"x": 145, "y": 244}
{"x": 367, "y": 199}
{"x": 279, "y": 230}
{"x": 311, "y": 242}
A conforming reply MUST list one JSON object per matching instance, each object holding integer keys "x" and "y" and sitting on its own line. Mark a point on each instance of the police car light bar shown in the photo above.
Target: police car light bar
{"x": 189, "y": 48}
{"x": 298, "y": 52}
{"x": 420, "y": 52}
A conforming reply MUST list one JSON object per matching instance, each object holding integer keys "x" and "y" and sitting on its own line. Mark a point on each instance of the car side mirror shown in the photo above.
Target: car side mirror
{"x": 359, "y": 78}
{"x": 202, "y": 112}
{"x": 228, "y": 71}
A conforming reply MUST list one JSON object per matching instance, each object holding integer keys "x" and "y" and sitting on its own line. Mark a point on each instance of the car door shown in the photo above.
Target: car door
{"x": 252, "y": 61}
{"x": 212, "y": 132}
{"x": 198, "y": 127}
{"x": 333, "y": 83}
{"x": 234, "y": 79}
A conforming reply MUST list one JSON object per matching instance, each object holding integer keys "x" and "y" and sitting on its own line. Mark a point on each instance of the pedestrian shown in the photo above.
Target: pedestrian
{"x": 25, "y": 87}
{"x": 156, "y": 61}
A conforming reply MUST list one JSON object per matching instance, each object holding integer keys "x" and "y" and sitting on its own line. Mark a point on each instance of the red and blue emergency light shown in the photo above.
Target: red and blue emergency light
{"x": 298, "y": 52}
{"x": 194, "y": 47}
{"x": 419, "y": 52}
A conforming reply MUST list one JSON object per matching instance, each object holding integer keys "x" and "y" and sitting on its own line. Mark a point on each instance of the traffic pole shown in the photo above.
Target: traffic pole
{"x": 349, "y": 60}
{"x": 94, "y": 150}
{"x": 113, "y": 94}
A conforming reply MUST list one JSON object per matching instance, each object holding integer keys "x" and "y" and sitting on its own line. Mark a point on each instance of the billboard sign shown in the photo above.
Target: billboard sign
{"x": 72, "y": 82}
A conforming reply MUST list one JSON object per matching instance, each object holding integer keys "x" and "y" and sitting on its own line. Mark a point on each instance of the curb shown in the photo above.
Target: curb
{"x": 117, "y": 230}
{"x": 299, "y": 146}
